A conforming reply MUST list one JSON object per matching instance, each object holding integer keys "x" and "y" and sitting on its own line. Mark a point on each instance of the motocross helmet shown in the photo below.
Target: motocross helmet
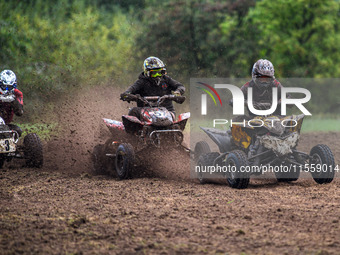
{"x": 8, "y": 81}
{"x": 263, "y": 73}
{"x": 154, "y": 67}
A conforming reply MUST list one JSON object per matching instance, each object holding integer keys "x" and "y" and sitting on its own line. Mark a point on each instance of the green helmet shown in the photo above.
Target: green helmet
{"x": 154, "y": 67}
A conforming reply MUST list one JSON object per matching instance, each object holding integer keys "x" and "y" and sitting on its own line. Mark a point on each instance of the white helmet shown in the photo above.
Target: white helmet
{"x": 8, "y": 81}
{"x": 2, "y": 122}
{"x": 263, "y": 68}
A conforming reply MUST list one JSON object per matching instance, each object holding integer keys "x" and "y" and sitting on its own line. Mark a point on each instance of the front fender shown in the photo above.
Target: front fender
{"x": 220, "y": 137}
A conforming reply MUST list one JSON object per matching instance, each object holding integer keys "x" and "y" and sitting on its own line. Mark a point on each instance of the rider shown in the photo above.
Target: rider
{"x": 11, "y": 99}
{"x": 153, "y": 81}
{"x": 263, "y": 80}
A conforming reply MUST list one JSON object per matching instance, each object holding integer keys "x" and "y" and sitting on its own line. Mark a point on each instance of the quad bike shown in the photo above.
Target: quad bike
{"x": 263, "y": 142}
{"x": 31, "y": 150}
{"x": 157, "y": 128}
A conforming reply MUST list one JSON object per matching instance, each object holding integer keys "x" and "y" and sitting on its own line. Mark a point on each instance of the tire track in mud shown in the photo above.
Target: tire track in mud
{"x": 57, "y": 213}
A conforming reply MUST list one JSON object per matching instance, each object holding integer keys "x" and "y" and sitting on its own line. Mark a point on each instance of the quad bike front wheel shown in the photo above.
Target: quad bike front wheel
{"x": 237, "y": 178}
{"x": 125, "y": 158}
{"x": 204, "y": 161}
{"x": 33, "y": 150}
{"x": 322, "y": 164}
{"x": 202, "y": 147}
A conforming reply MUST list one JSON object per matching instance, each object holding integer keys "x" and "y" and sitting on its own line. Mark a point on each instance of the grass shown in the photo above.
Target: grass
{"x": 44, "y": 131}
{"x": 310, "y": 124}
{"x": 319, "y": 124}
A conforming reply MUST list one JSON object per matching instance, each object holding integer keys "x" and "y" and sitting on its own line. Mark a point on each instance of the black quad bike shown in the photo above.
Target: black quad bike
{"x": 263, "y": 142}
{"x": 157, "y": 128}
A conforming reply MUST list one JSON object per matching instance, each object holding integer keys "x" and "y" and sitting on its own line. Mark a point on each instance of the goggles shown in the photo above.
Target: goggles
{"x": 157, "y": 73}
{"x": 264, "y": 79}
{"x": 7, "y": 87}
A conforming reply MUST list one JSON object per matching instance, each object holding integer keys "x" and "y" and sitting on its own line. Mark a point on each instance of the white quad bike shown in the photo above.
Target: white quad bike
{"x": 30, "y": 149}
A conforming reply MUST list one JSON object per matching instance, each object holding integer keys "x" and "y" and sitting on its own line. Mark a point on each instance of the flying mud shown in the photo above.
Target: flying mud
{"x": 80, "y": 118}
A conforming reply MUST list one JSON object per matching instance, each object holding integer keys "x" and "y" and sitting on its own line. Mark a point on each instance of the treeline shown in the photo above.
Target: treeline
{"x": 224, "y": 38}
{"x": 55, "y": 47}
{"x": 58, "y": 46}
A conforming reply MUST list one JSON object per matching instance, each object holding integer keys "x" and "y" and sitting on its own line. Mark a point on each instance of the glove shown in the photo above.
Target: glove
{"x": 123, "y": 96}
{"x": 8, "y": 98}
{"x": 127, "y": 97}
{"x": 177, "y": 93}
{"x": 179, "y": 99}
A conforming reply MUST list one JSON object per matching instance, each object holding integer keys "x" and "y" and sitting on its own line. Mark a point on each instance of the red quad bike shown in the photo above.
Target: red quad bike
{"x": 157, "y": 128}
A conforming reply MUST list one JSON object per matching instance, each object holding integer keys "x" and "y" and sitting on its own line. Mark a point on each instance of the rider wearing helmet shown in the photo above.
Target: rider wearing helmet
{"x": 263, "y": 80}
{"x": 11, "y": 99}
{"x": 153, "y": 81}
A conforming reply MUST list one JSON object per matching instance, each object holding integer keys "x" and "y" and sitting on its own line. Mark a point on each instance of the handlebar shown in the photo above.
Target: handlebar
{"x": 151, "y": 100}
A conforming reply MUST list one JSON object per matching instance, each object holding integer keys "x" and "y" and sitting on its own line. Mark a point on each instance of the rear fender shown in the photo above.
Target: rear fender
{"x": 114, "y": 124}
{"x": 294, "y": 126}
{"x": 220, "y": 137}
{"x": 182, "y": 120}
{"x": 132, "y": 119}
{"x": 183, "y": 116}
{"x": 132, "y": 124}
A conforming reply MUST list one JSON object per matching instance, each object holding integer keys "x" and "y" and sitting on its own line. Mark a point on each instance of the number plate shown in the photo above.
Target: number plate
{"x": 7, "y": 145}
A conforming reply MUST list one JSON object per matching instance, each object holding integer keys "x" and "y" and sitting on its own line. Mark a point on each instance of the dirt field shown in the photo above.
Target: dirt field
{"x": 65, "y": 209}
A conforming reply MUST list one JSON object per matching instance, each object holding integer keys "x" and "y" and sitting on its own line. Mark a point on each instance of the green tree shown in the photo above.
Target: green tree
{"x": 301, "y": 37}
{"x": 187, "y": 34}
{"x": 54, "y": 50}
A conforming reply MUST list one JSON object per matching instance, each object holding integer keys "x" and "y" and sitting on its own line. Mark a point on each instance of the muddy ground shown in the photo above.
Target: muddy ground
{"x": 64, "y": 208}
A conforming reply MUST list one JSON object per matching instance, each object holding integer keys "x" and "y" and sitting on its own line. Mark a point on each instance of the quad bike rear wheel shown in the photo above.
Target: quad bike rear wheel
{"x": 124, "y": 161}
{"x": 205, "y": 160}
{"x": 202, "y": 147}
{"x": 33, "y": 150}
{"x": 237, "y": 178}
{"x": 323, "y": 160}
